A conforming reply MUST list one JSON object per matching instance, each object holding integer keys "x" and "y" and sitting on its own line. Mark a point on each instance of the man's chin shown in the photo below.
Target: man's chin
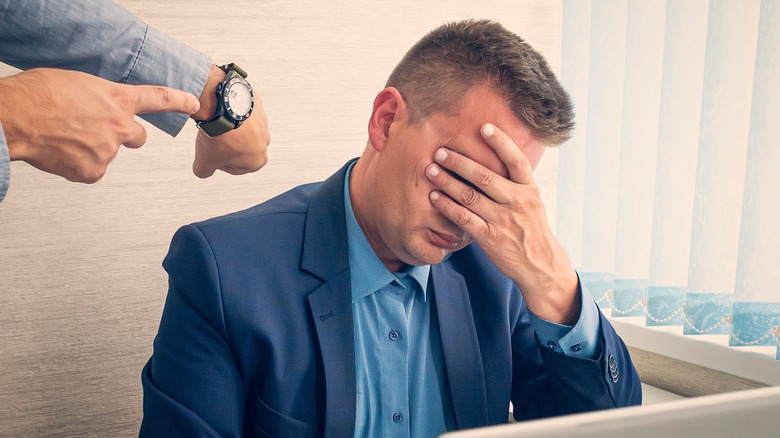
{"x": 432, "y": 257}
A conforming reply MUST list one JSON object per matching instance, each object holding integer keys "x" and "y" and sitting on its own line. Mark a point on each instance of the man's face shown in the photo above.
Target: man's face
{"x": 402, "y": 225}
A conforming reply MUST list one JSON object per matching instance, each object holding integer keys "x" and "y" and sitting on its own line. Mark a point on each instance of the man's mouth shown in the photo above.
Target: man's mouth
{"x": 446, "y": 240}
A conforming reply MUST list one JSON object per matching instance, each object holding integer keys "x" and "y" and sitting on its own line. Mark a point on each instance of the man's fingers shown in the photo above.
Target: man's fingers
{"x": 520, "y": 169}
{"x": 136, "y": 136}
{"x": 476, "y": 180}
{"x": 154, "y": 99}
{"x": 461, "y": 216}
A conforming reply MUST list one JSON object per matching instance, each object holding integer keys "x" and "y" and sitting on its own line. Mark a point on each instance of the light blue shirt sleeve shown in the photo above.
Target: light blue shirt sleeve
{"x": 580, "y": 340}
{"x": 104, "y": 39}
{"x": 5, "y": 165}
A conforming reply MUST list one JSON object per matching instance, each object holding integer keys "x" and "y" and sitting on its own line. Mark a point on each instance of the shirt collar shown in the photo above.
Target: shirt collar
{"x": 367, "y": 272}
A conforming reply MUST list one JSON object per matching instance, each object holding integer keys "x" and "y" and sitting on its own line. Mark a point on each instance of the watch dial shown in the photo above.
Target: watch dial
{"x": 239, "y": 97}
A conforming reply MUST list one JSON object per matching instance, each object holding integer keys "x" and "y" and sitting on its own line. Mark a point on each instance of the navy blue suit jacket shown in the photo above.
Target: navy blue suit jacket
{"x": 256, "y": 338}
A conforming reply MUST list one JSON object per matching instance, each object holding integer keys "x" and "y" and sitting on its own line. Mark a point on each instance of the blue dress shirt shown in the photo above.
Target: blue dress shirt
{"x": 401, "y": 386}
{"x": 100, "y": 38}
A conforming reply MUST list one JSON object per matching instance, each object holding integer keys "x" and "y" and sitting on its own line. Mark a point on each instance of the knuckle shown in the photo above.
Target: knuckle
{"x": 443, "y": 206}
{"x": 521, "y": 161}
{"x": 106, "y": 151}
{"x": 260, "y": 161}
{"x": 95, "y": 174}
{"x": 88, "y": 175}
{"x": 454, "y": 162}
{"x": 165, "y": 96}
{"x": 486, "y": 178}
{"x": 67, "y": 170}
{"x": 469, "y": 196}
{"x": 124, "y": 98}
{"x": 464, "y": 217}
{"x": 527, "y": 205}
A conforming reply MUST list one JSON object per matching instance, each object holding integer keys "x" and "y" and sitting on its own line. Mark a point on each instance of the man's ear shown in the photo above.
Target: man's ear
{"x": 388, "y": 107}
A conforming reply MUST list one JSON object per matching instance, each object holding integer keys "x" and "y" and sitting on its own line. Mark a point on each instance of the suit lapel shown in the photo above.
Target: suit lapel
{"x": 325, "y": 255}
{"x": 331, "y": 308}
{"x": 460, "y": 347}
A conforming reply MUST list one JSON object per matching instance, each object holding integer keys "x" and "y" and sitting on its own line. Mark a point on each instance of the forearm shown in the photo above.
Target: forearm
{"x": 548, "y": 280}
{"x": 16, "y": 114}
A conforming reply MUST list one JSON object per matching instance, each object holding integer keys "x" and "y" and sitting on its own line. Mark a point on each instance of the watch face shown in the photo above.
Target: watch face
{"x": 239, "y": 99}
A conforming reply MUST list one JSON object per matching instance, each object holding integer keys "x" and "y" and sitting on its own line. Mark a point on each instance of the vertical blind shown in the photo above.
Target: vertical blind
{"x": 669, "y": 191}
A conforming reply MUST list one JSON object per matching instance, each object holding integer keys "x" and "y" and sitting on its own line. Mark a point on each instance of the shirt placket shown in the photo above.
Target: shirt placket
{"x": 395, "y": 363}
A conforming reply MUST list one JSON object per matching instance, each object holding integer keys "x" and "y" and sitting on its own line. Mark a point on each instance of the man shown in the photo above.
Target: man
{"x": 417, "y": 290}
{"x": 72, "y": 123}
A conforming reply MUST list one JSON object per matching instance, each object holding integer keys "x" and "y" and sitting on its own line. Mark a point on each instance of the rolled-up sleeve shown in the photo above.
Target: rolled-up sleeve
{"x": 103, "y": 39}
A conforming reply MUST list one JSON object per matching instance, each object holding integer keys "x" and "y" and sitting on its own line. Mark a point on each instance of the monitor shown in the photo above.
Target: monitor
{"x": 749, "y": 413}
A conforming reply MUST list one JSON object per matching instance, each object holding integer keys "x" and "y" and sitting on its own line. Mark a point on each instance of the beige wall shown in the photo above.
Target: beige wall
{"x": 82, "y": 287}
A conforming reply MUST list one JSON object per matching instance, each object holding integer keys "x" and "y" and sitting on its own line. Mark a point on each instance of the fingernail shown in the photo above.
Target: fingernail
{"x": 434, "y": 196}
{"x": 441, "y": 155}
{"x": 433, "y": 171}
{"x": 195, "y": 106}
{"x": 488, "y": 130}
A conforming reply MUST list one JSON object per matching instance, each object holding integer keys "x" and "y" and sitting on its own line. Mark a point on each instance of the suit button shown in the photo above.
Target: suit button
{"x": 393, "y": 335}
{"x": 397, "y": 417}
{"x": 611, "y": 361}
{"x": 551, "y": 345}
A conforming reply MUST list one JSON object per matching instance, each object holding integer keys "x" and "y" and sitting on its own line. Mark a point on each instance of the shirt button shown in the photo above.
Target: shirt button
{"x": 397, "y": 417}
{"x": 393, "y": 335}
{"x": 576, "y": 347}
{"x": 394, "y": 283}
{"x": 551, "y": 345}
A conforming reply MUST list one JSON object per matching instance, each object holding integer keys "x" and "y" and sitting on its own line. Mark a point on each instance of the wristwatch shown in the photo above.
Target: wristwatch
{"x": 235, "y": 101}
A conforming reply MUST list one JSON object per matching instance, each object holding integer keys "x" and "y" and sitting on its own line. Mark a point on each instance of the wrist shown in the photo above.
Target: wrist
{"x": 559, "y": 302}
{"x": 208, "y": 97}
{"x": 12, "y": 106}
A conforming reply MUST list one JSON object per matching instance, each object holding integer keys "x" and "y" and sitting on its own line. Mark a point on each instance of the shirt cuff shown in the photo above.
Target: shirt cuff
{"x": 580, "y": 340}
{"x": 5, "y": 165}
{"x": 164, "y": 60}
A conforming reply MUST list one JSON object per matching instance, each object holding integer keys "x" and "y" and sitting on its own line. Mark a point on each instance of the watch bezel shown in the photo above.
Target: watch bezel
{"x": 225, "y": 98}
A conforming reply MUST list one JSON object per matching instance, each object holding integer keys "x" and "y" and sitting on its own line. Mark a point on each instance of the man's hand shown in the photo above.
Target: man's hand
{"x": 71, "y": 124}
{"x": 509, "y": 222}
{"x": 240, "y": 151}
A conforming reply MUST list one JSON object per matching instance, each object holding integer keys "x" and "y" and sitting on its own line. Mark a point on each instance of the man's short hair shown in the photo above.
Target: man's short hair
{"x": 445, "y": 64}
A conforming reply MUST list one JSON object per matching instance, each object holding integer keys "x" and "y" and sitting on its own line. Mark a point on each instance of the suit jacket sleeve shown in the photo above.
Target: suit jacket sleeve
{"x": 556, "y": 384}
{"x": 192, "y": 385}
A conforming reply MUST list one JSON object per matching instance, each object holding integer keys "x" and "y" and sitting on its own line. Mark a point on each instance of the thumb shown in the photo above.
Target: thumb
{"x": 153, "y": 99}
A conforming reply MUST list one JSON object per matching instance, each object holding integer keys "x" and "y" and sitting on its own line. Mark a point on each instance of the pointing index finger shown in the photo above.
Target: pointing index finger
{"x": 520, "y": 169}
{"x": 154, "y": 99}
